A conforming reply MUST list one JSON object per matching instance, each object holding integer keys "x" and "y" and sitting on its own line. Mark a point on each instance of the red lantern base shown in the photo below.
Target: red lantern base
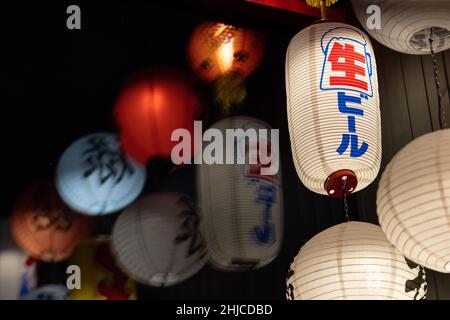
{"x": 335, "y": 182}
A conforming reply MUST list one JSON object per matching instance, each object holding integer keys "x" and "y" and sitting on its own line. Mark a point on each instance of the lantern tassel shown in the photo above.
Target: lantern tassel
{"x": 230, "y": 91}
{"x": 321, "y": 4}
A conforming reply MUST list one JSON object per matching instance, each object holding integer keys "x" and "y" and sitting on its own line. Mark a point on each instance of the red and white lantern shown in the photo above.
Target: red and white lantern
{"x": 333, "y": 108}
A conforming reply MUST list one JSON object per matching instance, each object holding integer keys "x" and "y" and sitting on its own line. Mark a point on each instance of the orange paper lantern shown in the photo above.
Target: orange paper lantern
{"x": 153, "y": 103}
{"x": 216, "y": 49}
{"x": 43, "y": 226}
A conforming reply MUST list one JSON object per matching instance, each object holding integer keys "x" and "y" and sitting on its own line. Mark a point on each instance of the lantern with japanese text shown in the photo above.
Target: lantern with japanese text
{"x": 242, "y": 206}
{"x": 101, "y": 277}
{"x": 216, "y": 49}
{"x": 157, "y": 240}
{"x": 43, "y": 226}
{"x": 153, "y": 103}
{"x": 95, "y": 177}
{"x": 333, "y": 108}
{"x": 353, "y": 261}
{"x": 406, "y": 26}
{"x": 17, "y": 270}
{"x": 413, "y": 201}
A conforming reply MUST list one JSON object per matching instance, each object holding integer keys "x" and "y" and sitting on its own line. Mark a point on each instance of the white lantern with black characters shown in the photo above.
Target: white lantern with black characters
{"x": 95, "y": 177}
{"x": 353, "y": 261}
{"x": 413, "y": 201}
{"x": 243, "y": 209}
{"x": 157, "y": 240}
{"x": 333, "y": 108}
{"x": 407, "y": 26}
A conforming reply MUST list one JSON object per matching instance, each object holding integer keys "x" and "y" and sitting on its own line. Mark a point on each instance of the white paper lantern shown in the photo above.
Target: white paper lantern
{"x": 157, "y": 240}
{"x": 405, "y": 26}
{"x": 353, "y": 261}
{"x": 333, "y": 108}
{"x": 16, "y": 277}
{"x": 94, "y": 177}
{"x": 243, "y": 210}
{"x": 413, "y": 201}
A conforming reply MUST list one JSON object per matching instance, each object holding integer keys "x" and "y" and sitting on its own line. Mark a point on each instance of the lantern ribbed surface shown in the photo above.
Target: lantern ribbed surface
{"x": 157, "y": 240}
{"x": 333, "y": 104}
{"x": 405, "y": 25}
{"x": 413, "y": 201}
{"x": 353, "y": 261}
{"x": 94, "y": 177}
{"x": 243, "y": 210}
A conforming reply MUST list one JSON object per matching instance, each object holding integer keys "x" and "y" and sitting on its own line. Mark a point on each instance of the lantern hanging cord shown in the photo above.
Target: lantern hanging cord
{"x": 442, "y": 114}
{"x": 344, "y": 192}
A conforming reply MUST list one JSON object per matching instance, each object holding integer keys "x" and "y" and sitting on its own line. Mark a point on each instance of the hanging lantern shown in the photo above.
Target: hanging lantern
{"x": 17, "y": 271}
{"x": 101, "y": 279}
{"x": 243, "y": 210}
{"x": 406, "y": 26}
{"x": 152, "y": 105}
{"x": 44, "y": 227}
{"x": 353, "y": 261}
{"x": 157, "y": 240}
{"x": 333, "y": 108}
{"x": 413, "y": 201}
{"x": 94, "y": 177}
{"x": 216, "y": 49}
{"x": 48, "y": 292}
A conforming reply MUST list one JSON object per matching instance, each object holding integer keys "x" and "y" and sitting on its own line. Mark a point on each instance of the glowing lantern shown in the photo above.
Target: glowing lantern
{"x": 216, "y": 49}
{"x": 44, "y": 227}
{"x": 94, "y": 177}
{"x": 17, "y": 271}
{"x": 157, "y": 240}
{"x": 101, "y": 278}
{"x": 413, "y": 201}
{"x": 243, "y": 210}
{"x": 152, "y": 105}
{"x": 333, "y": 108}
{"x": 405, "y": 26}
{"x": 353, "y": 261}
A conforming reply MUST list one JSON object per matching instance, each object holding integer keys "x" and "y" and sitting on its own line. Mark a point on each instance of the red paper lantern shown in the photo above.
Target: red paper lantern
{"x": 216, "y": 49}
{"x": 43, "y": 226}
{"x": 153, "y": 103}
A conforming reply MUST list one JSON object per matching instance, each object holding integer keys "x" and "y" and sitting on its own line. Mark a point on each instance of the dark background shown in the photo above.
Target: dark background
{"x": 58, "y": 85}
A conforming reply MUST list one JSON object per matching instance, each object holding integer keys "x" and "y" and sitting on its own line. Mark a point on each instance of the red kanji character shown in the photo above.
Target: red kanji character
{"x": 348, "y": 66}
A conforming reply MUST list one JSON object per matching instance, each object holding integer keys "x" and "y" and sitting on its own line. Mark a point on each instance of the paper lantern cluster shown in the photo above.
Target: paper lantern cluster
{"x": 243, "y": 210}
{"x": 405, "y": 26}
{"x": 333, "y": 108}
{"x": 95, "y": 177}
{"x": 43, "y": 226}
{"x": 217, "y": 49}
{"x": 152, "y": 104}
{"x": 413, "y": 201}
{"x": 157, "y": 239}
{"x": 353, "y": 261}
{"x": 101, "y": 278}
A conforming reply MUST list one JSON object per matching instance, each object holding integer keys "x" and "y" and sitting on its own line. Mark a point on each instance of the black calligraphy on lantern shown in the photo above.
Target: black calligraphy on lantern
{"x": 418, "y": 282}
{"x": 108, "y": 162}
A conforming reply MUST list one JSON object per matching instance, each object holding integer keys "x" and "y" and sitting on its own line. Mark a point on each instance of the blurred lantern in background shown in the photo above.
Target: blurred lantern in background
{"x": 17, "y": 271}
{"x": 48, "y": 292}
{"x": 406, "y": 26}
{"x": 353, "y": 261}
{"x": 95, "y": 177}
{"x": 243, "y": 211}
{"x": 216, "y": 49}
{"x": 43, "y": 226}
{"x": 153, "y": 103}
{"x": 228, "y": 55}
{"x": 157, "y": 240}
{"x": 101, "y": 278}
{"x": 333, "y": 108}
{"x": 413, "y": 201}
